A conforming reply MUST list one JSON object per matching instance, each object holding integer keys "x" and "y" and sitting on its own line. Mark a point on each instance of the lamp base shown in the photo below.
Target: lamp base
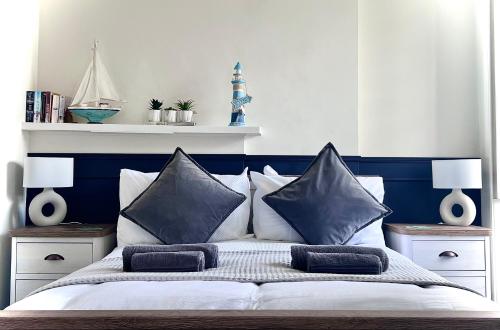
{"x": 459, "y": 198}
{"x": 47, "y": 196}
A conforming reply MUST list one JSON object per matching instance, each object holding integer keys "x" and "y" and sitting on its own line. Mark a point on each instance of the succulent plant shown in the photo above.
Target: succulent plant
{"x": 155, "y": 104}
{"x": 184, "y": 105}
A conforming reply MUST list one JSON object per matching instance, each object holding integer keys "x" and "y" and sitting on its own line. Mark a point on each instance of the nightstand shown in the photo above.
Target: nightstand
{"x": 41, "y": 255}
{"x": 460, "y": 254}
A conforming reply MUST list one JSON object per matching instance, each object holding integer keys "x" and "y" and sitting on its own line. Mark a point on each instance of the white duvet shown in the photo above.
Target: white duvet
{"x": 320, "y": 295}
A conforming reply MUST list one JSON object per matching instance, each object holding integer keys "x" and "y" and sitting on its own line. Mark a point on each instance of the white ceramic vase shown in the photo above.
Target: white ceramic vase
{"x": 171, "y": 116}
{"x": 186, "y": 116}
{"x": 154, "y": 116}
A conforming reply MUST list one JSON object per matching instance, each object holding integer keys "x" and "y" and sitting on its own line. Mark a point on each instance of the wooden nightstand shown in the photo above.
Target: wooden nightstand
{"x": 460, "y": 254}
{"x": 41, "y": 255}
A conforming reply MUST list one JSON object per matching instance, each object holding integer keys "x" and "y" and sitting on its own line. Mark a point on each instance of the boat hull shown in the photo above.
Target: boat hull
{"x": 94, "y": 115}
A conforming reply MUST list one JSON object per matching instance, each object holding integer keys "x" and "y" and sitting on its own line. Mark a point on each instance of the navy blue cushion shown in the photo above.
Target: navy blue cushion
{"x": 326, "y": 205}
{"x": 184, "y": 204}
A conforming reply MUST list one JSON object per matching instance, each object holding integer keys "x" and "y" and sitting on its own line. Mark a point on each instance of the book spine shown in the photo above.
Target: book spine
{"x": 30, "y": 103}
{"x": 42, "y": 107}
{"x": 55, "y": 108}
{"x": 38, "y": 107}
{"x": 47, "y": 107}
{"x": 62, "y": 108}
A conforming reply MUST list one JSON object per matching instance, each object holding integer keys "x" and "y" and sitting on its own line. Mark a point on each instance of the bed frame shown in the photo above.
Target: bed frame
{"x": 408, "y": 186}
{"x": 217, "y": 319}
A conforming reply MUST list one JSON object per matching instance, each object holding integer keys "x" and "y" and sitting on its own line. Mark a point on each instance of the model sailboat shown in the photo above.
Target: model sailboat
{"x": 96, "y": 91}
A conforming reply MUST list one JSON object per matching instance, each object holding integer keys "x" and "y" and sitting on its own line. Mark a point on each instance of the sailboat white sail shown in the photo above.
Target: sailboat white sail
{"x": 95, "y": 92}
{"x": 96, "y": 88}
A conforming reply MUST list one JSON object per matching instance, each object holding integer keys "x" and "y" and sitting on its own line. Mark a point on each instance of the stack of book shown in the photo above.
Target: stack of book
{"x": 45, "y": 107}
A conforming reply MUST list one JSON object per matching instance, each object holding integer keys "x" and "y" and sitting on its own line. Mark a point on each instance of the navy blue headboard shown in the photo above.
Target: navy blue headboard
{"x": 94, "y": 197}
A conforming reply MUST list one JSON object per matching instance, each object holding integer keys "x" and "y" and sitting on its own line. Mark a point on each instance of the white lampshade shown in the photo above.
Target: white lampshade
{"x": 48, "y": 172}
{"x": 456, "y": 173}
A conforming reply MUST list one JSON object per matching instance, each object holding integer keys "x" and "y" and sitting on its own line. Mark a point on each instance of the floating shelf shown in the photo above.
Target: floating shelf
{"x": 141, "y": 129}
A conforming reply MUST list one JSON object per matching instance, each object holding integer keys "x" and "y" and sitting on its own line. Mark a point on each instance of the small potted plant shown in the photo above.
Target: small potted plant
{"x": 170, "y": 115}
{"x": 155, "y": 111}
{"x": 185, "y": 108}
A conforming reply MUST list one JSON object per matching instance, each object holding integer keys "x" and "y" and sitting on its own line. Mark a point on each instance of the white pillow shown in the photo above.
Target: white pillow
{"x": 268, "y": 224}
{"x": 133, "y": 183}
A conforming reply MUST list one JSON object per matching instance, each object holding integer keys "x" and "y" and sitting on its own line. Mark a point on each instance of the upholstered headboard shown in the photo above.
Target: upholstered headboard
{"x": 94, "y": 197}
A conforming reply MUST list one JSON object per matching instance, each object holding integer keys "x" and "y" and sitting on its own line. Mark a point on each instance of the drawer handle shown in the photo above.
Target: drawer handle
{"x": 448, "y": 254}
{"x": 54, "y": 256}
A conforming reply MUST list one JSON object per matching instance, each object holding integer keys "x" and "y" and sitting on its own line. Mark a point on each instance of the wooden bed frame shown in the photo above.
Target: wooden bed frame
{"x": 218, "y": 319}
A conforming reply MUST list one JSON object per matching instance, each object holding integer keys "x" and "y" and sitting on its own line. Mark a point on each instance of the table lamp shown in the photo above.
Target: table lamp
{"x": 456, "y": 174}
{"x": 47, "y": 173}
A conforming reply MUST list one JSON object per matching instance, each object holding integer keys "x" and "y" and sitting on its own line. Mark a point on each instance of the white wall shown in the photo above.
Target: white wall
{"x": 18, "y": 35}
{"x": 299, "y": 58}
{"x": 414, "y": 62}
{"x": 487, "y": 128}
{"x": 490, "y": 129}
{"x": 418, "y": 78}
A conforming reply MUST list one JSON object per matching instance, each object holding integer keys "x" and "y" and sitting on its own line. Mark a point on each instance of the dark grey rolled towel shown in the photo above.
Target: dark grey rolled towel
{"x": 299, "y": 253}
{"x": 185, "y": 261}
{"x": 343, "y": 263}
{"x": 210, "y": 251}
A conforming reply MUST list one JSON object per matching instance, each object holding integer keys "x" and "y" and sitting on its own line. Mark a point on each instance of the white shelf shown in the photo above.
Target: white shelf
{"x": 142, "y": 129}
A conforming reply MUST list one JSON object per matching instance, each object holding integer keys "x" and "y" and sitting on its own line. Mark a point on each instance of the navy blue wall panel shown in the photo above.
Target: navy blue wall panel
{"x": 408, "y": 188}
{"x": 292, "y": 165}
{"x": 407, "y": 181}
{"x": 94, "y": 196}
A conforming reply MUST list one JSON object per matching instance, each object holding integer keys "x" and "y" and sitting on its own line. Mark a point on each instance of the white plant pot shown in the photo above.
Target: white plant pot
{"x": 186, "y": 116}
{"x": 171, "y": 116}
{"x": 154, "y": 116}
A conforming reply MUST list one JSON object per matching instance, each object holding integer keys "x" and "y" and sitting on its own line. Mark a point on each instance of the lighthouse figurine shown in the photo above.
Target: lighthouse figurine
{"x": 240, "y": 98}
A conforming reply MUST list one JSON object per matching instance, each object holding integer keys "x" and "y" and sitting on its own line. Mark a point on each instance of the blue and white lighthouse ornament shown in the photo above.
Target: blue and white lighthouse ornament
{"x": 240, "y": 97}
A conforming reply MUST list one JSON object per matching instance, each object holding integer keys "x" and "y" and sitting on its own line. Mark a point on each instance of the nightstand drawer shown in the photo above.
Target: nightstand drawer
{"x": 25, "y": 287}
{"x": 52, "y": 258}
{"x": 476, "y": 283}
{"x": 449, "y": 255}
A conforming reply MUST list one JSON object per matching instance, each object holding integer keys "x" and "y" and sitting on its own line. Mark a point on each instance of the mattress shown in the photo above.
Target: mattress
{"x": 237, "y": 295}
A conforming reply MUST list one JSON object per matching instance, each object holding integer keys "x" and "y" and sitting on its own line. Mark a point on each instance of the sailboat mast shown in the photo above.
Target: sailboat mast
{"x": 94, "y": 69}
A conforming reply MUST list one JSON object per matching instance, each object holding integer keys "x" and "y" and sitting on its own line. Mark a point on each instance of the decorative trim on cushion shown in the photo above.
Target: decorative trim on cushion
{"x": 133, "y": 182}
{"x": 327, "y": 204}
{"x": 184, "y": 204}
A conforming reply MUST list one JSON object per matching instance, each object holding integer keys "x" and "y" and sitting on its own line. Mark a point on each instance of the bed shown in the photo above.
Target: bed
{"x": 215, "y": 304}
{"x": 268, "y": 294}
{"x": 272, "y": 290}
